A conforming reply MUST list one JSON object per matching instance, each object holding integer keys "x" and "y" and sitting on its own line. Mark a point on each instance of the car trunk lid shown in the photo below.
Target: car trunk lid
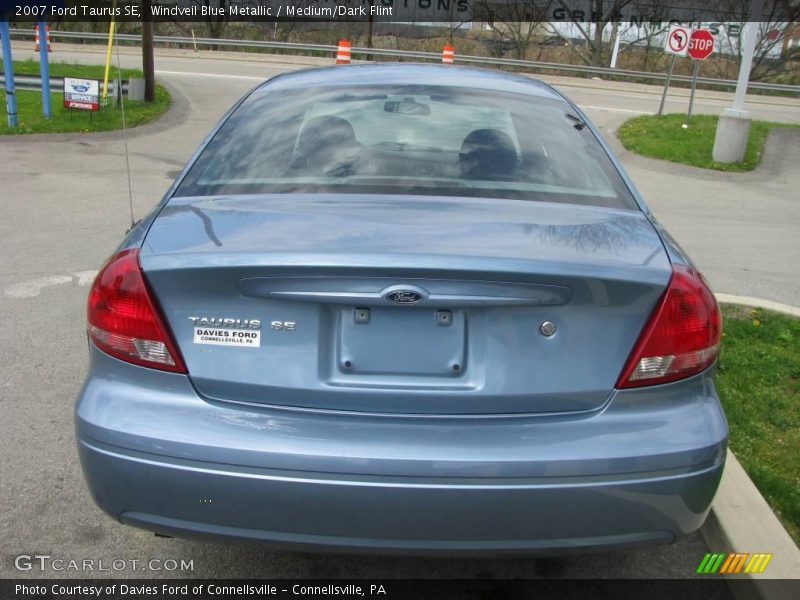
{"x": 404, "y": 305}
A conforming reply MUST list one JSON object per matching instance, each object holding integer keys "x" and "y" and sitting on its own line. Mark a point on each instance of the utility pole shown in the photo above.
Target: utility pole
{"x": 148, "y": 64}
{"x": 370, "y": 26}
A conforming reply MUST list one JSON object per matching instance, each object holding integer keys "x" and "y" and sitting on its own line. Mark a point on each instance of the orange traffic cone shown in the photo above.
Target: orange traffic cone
{"x": 36, "y": 48}
{"x": 448, "y": 54}
{"x": 343, "y": 52}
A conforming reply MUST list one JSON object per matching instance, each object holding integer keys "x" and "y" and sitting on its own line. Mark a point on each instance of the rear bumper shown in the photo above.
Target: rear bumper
{"x": 642, "y": 470}
{"x": 315, "y": 511}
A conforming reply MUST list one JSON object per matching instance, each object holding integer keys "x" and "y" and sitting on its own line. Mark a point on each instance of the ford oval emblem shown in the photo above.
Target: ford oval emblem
{"x": 404, "y": 297}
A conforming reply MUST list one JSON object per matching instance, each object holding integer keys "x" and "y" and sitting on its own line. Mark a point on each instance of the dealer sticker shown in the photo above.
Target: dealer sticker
{"x": 227, "y": 337}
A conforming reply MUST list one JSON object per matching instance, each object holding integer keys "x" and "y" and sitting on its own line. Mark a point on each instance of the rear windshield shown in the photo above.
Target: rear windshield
{"x": 418, "y": 140}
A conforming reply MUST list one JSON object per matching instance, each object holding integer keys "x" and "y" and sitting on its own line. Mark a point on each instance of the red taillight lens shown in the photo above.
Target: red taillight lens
{"x": 123, "y": 319}
{"x": 682, "y": 336}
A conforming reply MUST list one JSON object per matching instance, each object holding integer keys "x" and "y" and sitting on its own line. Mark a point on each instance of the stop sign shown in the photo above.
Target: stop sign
{"x": 701, "y": 44}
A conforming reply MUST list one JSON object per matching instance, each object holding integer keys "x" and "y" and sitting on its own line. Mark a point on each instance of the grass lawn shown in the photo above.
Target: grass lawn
{"x": 29, "y": 104}
{"x": 759, "y": 385}
{"x": 664, "y": 137}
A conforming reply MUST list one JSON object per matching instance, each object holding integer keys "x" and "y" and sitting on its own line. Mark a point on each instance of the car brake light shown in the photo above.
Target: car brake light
{"x": 682, "y": 336}
{"x": 124, "y": 321}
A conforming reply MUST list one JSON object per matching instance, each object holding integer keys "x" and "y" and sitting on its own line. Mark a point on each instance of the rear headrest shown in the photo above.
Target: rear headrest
{"x": 488, "y": 154}
{"x": 328, "y": 133}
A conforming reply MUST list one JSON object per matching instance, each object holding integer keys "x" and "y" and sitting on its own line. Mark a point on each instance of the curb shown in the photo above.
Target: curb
{"x": 741, "y": 520}
{"x": 785, "y": 309}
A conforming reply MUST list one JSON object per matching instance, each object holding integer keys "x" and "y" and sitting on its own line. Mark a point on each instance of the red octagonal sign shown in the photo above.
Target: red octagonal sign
{"x": 701, "y": 45}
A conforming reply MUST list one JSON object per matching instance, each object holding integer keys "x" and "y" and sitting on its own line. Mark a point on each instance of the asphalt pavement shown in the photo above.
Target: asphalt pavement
{"x": 66, "y": 208}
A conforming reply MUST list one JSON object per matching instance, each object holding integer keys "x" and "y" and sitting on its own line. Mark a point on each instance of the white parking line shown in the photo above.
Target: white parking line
{"x": 33, "y": 287}
{"x": 85, "y": 277}
{"x": 217, "y": 75}
{"x": 622, "y": 110}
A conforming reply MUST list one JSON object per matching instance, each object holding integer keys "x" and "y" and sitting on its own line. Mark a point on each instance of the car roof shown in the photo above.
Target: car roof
{"x": 411, "y": 74}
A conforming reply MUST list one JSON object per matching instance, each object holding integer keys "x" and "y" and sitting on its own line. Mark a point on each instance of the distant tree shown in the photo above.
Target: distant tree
{"x": 279, "y": 31}
{"x": 770, "y": 58}
{"x": 649, "y": 30}
{"x": 514, "y": 24}
{"x": 455, "y": 21}
{"x": 218, "y": 23}
{"x": 589, "y": 25}
{"x": 650, "y": 43}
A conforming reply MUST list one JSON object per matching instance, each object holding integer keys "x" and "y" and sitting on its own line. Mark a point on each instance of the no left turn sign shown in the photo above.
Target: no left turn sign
{"x": 678, "y": 40}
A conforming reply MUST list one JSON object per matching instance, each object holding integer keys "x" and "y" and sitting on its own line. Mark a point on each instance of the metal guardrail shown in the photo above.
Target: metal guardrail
{"x": 435, "y": 56}
{"x": 34, "y": 83}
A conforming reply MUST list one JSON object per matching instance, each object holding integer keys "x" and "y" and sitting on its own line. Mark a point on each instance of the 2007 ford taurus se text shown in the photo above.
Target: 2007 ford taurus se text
{"x": 409, "y": 308}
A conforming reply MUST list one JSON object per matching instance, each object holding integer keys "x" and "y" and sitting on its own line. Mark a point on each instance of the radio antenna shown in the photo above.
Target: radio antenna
{"x": 124, "y": 133}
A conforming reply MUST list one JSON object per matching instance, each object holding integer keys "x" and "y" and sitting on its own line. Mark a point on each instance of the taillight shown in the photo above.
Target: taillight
{"x": 124, "y": 321}
{"x": 682, "y": 336}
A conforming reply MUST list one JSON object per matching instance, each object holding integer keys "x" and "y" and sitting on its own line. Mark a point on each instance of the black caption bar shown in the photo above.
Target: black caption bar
{"x": 711, "y": 588}
{"x": 453, "y": 12}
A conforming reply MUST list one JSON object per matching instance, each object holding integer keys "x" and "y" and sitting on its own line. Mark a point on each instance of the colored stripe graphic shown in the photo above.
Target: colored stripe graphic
{"x": 703, "y": 563}
{"x": 711, "y": 563}
{"x": 727, "y": 564}
{"x": 758, "y": 562}
{"x": 734, "y": 563}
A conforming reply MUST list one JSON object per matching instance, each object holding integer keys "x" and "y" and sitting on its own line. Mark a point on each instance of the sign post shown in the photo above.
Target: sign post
{"x": 109, "y": 48}
{"x": 677, "y": 44}
{"x": 694, "y": 86}
{"x": 44, "y": 69}
{"x": 8, "y": 65}
{"x": 701, "y": 46}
